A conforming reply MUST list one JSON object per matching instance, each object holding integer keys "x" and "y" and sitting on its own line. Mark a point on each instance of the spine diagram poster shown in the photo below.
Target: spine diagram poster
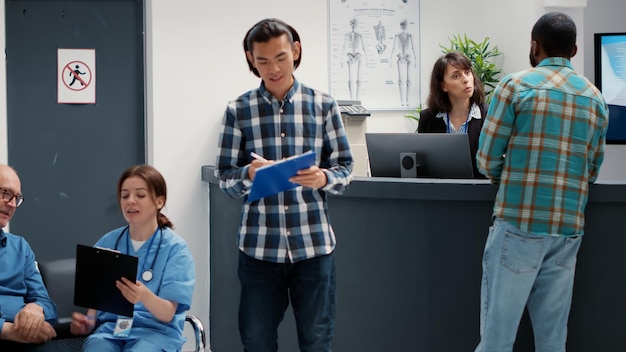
{"x": 374, "y": 52}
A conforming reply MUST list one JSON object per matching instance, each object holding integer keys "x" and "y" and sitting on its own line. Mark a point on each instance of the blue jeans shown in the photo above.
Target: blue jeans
{"x": 521, "y": 269}
{"x": 265, "y": 292}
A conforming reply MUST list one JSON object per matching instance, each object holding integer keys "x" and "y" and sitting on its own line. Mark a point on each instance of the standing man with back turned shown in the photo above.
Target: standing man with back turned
{"x": 543, "y": 143}
{"x": 285, "y": 240}
{"x": 26, "y": 311}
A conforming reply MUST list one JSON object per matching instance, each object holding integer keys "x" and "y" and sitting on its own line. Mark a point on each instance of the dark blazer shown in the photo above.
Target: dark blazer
{"x": 429, "y": 123}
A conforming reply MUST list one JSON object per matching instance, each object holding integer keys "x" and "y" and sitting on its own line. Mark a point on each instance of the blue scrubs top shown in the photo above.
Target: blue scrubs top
{"x": 173, "y": 279}
{"x": 20, "y": 280}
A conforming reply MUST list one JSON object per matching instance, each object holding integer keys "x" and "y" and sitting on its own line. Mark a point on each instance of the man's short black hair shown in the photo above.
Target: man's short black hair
{"x": 265, "y": 30}
{"x": 556, "y": 33}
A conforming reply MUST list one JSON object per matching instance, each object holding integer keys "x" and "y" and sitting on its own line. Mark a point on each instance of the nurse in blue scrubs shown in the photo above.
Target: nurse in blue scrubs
{"x": 163, "y": 290}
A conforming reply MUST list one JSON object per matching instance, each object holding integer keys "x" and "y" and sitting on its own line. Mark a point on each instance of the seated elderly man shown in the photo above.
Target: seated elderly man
{"x": 27, "y": 314}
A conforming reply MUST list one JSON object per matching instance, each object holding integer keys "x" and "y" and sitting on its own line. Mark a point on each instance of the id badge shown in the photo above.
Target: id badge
{"x": 122, "y": 326}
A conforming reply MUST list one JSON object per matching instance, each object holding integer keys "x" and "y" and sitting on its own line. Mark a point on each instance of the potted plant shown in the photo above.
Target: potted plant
{"x": 415, "y": 115}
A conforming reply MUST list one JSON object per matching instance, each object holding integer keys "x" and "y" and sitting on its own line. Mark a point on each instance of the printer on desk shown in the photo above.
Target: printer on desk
{"x": 354, "y": 117}
{"x": 352, "y": 109}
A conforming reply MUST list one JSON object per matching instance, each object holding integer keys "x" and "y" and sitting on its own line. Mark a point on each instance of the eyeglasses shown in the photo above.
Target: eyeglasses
{"x": 7, "y": 196}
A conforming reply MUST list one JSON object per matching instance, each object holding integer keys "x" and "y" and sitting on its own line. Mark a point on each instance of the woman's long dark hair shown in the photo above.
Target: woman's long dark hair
{"x": 438, "y": 100}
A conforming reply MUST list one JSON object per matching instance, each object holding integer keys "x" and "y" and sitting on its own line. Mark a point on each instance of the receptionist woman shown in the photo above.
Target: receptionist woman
{"x": 456, "y": 101}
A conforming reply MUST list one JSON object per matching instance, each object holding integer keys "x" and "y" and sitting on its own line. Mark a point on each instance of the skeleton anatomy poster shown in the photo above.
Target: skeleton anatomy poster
{"x": 374, "y": 52}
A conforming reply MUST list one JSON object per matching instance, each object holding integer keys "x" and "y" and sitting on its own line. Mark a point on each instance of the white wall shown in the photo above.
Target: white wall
{"x": 603, "y": 16}
{"x": 195, "y": 64}
{"x": 441, "y": 19}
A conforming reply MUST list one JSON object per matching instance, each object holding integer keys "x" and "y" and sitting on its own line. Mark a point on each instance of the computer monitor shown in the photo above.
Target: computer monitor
{"x": 610, "y": 74}
{"x": 432, "y": 155}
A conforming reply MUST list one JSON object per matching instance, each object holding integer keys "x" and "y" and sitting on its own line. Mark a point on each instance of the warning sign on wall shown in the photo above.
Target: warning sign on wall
{"x": 76, "y": 76}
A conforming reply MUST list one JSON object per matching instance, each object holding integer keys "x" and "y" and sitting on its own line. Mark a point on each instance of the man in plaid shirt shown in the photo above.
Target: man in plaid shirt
{"x": 286, "y": 241}
{"x": 543, "y": 143}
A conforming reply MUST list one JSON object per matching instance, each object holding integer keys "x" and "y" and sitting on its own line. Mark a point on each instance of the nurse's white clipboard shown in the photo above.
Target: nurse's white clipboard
{"x": 97, "y": 269}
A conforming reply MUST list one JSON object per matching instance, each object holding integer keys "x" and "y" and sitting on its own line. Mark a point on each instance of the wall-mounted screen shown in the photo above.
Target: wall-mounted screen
{"x": 610, "y": 76}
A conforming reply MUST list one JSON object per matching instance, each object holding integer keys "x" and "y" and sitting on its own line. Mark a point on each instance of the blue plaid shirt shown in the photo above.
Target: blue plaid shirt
{"x": 543, "y": 142}
{"x": 292, "y": 225}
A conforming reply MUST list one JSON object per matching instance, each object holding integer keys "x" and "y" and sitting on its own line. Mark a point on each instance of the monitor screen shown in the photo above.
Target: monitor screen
{"x": 434, "y": 155}
{"x": 610, "y": 78}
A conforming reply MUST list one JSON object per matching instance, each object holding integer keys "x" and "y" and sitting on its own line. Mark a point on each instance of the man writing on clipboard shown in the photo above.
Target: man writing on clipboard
{"x": 285, "y": 240}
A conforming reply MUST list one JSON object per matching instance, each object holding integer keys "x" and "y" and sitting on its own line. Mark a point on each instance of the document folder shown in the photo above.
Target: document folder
{"x": 274, "y": 178}
{"x": 97, "y": 269}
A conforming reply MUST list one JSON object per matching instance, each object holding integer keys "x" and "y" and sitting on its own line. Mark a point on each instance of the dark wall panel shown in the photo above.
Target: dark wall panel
{"x": 70, "y": 155}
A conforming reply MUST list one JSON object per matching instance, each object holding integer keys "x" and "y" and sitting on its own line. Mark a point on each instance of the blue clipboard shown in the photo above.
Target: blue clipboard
{"x": 274, "y": 178}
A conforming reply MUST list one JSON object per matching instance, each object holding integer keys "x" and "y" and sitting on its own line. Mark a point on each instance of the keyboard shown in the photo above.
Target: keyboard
{"x": 354, "y": 110}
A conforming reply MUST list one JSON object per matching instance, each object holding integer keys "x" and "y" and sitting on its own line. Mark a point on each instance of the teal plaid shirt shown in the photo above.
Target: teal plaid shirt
{"x": 543, "y": 143}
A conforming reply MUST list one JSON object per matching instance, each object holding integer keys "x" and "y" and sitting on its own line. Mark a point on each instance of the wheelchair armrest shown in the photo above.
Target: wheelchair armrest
{"x": 198, "y": 329}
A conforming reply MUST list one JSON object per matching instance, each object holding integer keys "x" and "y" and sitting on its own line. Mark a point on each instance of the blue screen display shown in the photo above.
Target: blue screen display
{"x": 610, "y": 70}
{"x": 617, "y": 125}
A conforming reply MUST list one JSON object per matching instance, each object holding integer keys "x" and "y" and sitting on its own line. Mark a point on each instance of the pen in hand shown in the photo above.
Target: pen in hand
{"x": 252, "y": 169}
{"x": 258, "y": 157}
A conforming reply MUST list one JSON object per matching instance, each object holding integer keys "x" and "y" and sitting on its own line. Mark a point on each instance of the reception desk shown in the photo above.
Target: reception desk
{"x": 408, "y": 260}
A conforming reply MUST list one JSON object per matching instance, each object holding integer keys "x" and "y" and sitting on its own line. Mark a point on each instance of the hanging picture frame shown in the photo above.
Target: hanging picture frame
{"x": 374, "y": 50}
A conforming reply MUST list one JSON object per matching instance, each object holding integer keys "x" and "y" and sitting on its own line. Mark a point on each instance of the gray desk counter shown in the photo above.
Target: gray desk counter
{"x": 409, "y": 257}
